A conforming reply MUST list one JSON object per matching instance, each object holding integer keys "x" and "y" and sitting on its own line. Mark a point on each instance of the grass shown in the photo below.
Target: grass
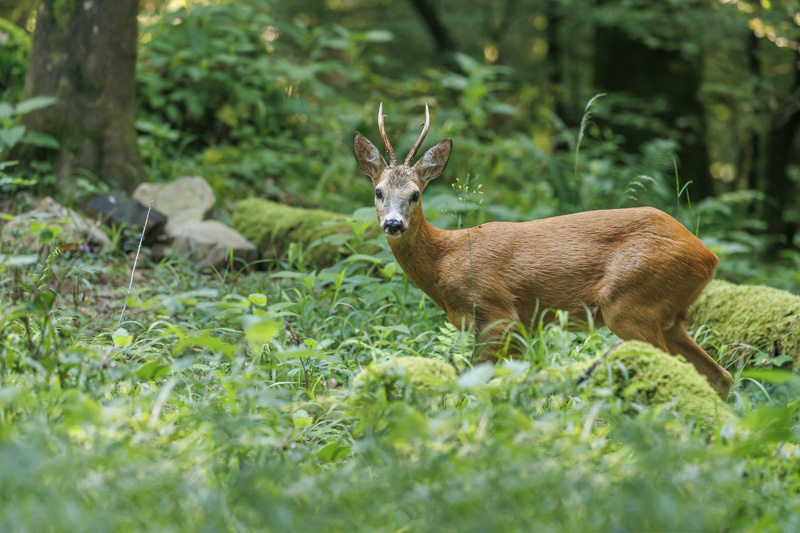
{"x": 227, "y": 405}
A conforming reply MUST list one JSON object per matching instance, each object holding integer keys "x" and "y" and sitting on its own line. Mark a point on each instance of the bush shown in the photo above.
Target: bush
{"x": 15, "y": 50}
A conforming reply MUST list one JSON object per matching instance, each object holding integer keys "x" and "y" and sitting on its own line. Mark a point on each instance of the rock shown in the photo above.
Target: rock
{"x": 207, "y": 243}
{"x": 121, "y": 209}
{"x": 69, "y": 227}
{"x": 663, "y": 380}
{"x": 428, "y": 377}
{"x": 753, "y": 317}
{"x": 273, "y": 227}
{"x": 184, "y": 201}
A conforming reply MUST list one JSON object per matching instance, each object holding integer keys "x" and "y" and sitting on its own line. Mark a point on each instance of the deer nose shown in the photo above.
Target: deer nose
{"x": 393, "y": 226}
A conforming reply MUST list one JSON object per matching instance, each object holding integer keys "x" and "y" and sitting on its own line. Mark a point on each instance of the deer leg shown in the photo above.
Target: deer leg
{"x": 492, "y": 336}
{"x": 680, "y": 342}
{"x": 640, "y": 330}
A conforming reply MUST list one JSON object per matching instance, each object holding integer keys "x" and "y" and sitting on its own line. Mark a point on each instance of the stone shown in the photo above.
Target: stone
{"x": 749, "y": 318}
{"x": 184, "y": 201}
{"x": 69, "y": 227}
{"x": 273, "y": 227}
{"x": 663, "y": 381}
{"x": 429, "y": 377}
{"x": 121, "y": 209}
{"x": 207, "y": 243}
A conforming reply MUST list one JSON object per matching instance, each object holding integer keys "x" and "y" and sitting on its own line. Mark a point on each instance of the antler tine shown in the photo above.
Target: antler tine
{"x": 422, "y": 135}
{"x": 386, "y": 143}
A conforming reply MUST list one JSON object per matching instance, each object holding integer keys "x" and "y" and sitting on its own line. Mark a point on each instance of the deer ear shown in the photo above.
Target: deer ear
{"x": 434, "y": 161}
{"x": 368, "y": 157}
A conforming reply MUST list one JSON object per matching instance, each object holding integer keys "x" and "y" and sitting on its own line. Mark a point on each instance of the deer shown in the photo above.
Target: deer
{"x": 636, "y": 270}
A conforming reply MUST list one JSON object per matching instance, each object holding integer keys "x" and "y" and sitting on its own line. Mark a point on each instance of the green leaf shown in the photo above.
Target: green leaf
{"x": 774, "y": 376}
{"x": 297, "y": 353}
{"x": 9, "y": 137}
{"x": 205, "y": 340}
{"x": 302, "y": 419}
{"x": 18, "y": 260}
{"x": 477, "y": 375}
{"x": 152, "y": 370}
{"x": 121, "y": 337}
{"x": 364, "y": 257}
{"x": 334, "y": 451}
{"x": 364, "y": 214}
{"x": 41, "y": 140}
{"x": 259, "y": 331}
{"x": 32, "y": 104}
{"x": 6, "y": 110}
{"x": 46, "y": 235}
{"x": 258, "y": 300}
{"x": 378, "y": 36}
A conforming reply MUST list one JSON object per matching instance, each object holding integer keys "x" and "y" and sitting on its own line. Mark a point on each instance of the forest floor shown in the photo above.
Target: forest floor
{"x": 228, "y": 401}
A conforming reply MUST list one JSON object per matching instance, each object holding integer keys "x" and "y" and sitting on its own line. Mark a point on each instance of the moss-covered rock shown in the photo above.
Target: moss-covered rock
{"x": 273, "y": 227}
{"x": 428, "y": 377}
{"x": 662, "y": 380}
{"x": 750, "y": 316}
{"x": 15, "y": 50}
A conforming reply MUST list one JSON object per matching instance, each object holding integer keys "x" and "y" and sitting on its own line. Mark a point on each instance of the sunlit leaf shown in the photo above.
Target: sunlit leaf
{"x": 301, "y": 419}
{"x": 477, "y": 375}
{"x": 122, "y": 338}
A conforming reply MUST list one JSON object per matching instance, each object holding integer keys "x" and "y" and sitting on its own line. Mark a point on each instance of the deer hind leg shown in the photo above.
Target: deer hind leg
{"x": 638, "y": 331}
{"x": 680, "y": 342}
{"x": 637, "y": 325}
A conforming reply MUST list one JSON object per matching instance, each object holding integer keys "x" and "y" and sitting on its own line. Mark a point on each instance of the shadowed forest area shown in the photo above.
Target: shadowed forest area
{"x": 202, "y": 326}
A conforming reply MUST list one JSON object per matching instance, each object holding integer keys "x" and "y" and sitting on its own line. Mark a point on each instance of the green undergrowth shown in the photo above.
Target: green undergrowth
{"x": 329, "y": 399}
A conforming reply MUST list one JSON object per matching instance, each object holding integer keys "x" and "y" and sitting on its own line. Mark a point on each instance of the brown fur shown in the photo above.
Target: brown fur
{"x": 636, "y": 270}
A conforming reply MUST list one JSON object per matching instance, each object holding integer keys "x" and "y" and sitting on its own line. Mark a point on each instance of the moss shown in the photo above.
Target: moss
{"x": 428, "y": 377}
{"x": 62, "y": 11}
{"x": 663, "y": 381}
{"x": 751, "y": 316}
{"x": 272, "y": 227}
{"x": 15, "y": 50}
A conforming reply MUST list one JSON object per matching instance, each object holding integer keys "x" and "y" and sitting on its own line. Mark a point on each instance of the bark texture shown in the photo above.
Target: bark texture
{"x": 84, "y": 54}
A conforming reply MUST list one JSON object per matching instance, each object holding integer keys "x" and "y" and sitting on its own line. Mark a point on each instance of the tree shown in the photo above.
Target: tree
{"x": 649, "y": 74}
{"x": 84, "y": 54}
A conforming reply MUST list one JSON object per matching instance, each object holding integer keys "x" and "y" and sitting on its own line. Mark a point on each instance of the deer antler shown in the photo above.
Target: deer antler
{"x": 422, "y": 135}
{"x": 386, "y": 143}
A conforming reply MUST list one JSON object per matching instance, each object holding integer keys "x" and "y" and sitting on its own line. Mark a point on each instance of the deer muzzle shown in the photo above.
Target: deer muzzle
{"x": 393, "y": 227}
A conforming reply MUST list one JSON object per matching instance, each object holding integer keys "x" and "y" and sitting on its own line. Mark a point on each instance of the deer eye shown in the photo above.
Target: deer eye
{"x": 415, "y": 196}
{"x": 378, "y": 193}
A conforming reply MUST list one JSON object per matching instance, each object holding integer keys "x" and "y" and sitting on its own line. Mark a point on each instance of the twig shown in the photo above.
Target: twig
{"x": 135, "y": 260}
{"x": 589, "y": 371}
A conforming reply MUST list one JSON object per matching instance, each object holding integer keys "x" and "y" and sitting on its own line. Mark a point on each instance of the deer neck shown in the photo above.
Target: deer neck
{"x": 419, "y": 251}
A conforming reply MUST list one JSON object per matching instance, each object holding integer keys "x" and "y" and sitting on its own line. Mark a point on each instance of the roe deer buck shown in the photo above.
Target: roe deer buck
{"x": 635, "y": 270}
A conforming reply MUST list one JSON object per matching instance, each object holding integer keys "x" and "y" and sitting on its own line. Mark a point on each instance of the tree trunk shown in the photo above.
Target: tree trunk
{"x": 781, "y": 217}
{"x": 445, "y": 44}
{"x": 626, "y": 65}
{"x": 84, "y": 54}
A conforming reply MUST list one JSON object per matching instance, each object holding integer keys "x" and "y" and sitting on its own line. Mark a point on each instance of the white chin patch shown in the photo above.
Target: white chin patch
{"x": 392, "y": 235}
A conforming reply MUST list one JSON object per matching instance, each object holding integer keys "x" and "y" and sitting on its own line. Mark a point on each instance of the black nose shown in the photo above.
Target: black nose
{"x": 393, "y": 226}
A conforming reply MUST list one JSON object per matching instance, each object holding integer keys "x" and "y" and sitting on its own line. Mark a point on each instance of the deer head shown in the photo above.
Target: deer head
{"x": 398, "y": 188}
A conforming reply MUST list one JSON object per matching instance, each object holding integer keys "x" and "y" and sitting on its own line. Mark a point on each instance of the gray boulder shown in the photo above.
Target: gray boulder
{"x": 207, "y": 244}
{"x": 184, "y": 201}
{"x": 68, "y": 226}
